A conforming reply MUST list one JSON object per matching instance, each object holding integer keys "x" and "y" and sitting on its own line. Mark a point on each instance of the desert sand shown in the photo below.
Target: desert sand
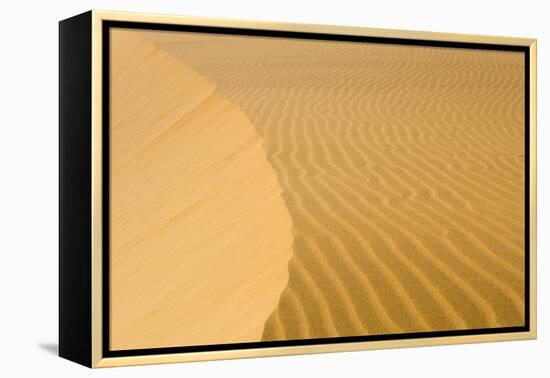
{"x": 400, "y": 169}
{"x": 200, "y": 235}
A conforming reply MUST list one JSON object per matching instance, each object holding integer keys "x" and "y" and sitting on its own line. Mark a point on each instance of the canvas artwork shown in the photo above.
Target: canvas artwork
{"x": 283, "y": 189}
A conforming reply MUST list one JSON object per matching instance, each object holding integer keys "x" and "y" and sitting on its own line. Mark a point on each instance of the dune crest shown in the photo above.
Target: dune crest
{"x": 200, "y": 236}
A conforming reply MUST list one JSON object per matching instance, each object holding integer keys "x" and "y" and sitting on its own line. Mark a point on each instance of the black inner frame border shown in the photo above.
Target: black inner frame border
{"x": 107, "y": 25}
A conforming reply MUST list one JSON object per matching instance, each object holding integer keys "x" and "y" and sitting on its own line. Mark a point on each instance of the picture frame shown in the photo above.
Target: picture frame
{"x": 119, "y": 275}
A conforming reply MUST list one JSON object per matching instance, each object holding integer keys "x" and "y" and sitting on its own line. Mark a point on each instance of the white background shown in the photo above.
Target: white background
{"x": 29, "y": 186}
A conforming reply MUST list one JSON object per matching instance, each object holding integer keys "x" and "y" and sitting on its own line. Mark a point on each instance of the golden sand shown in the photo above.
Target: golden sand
{"x": 401, "y": 169}
{"x": 200, "y": 236}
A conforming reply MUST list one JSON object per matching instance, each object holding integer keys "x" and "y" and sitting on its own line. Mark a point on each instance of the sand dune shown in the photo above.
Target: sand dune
{"x": 200, "y": 235}
{"x": 402, "y": 170}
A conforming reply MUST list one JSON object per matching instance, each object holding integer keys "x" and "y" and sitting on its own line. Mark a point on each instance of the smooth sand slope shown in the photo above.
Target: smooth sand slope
{"x": 402, "y": 169}
{"x": 200, "y": 236}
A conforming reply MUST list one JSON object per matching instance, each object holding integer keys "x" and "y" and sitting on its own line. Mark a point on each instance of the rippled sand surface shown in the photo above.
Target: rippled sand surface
{"x": 401, "y": 169}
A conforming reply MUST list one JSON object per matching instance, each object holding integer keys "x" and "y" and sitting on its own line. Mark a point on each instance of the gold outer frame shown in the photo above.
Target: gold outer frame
{"x": 97, "y": 356}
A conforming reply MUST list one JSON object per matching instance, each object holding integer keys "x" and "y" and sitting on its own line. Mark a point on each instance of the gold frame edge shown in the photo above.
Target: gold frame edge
{"x": 533, "y": 187}
{"x": 97, "y": 197}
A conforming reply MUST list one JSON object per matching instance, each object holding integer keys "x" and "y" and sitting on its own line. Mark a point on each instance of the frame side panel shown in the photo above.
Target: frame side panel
{"x": 75, "y": 90}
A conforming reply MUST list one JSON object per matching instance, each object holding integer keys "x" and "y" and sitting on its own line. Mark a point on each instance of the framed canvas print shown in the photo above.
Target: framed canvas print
{"x": 236, "y": 189}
